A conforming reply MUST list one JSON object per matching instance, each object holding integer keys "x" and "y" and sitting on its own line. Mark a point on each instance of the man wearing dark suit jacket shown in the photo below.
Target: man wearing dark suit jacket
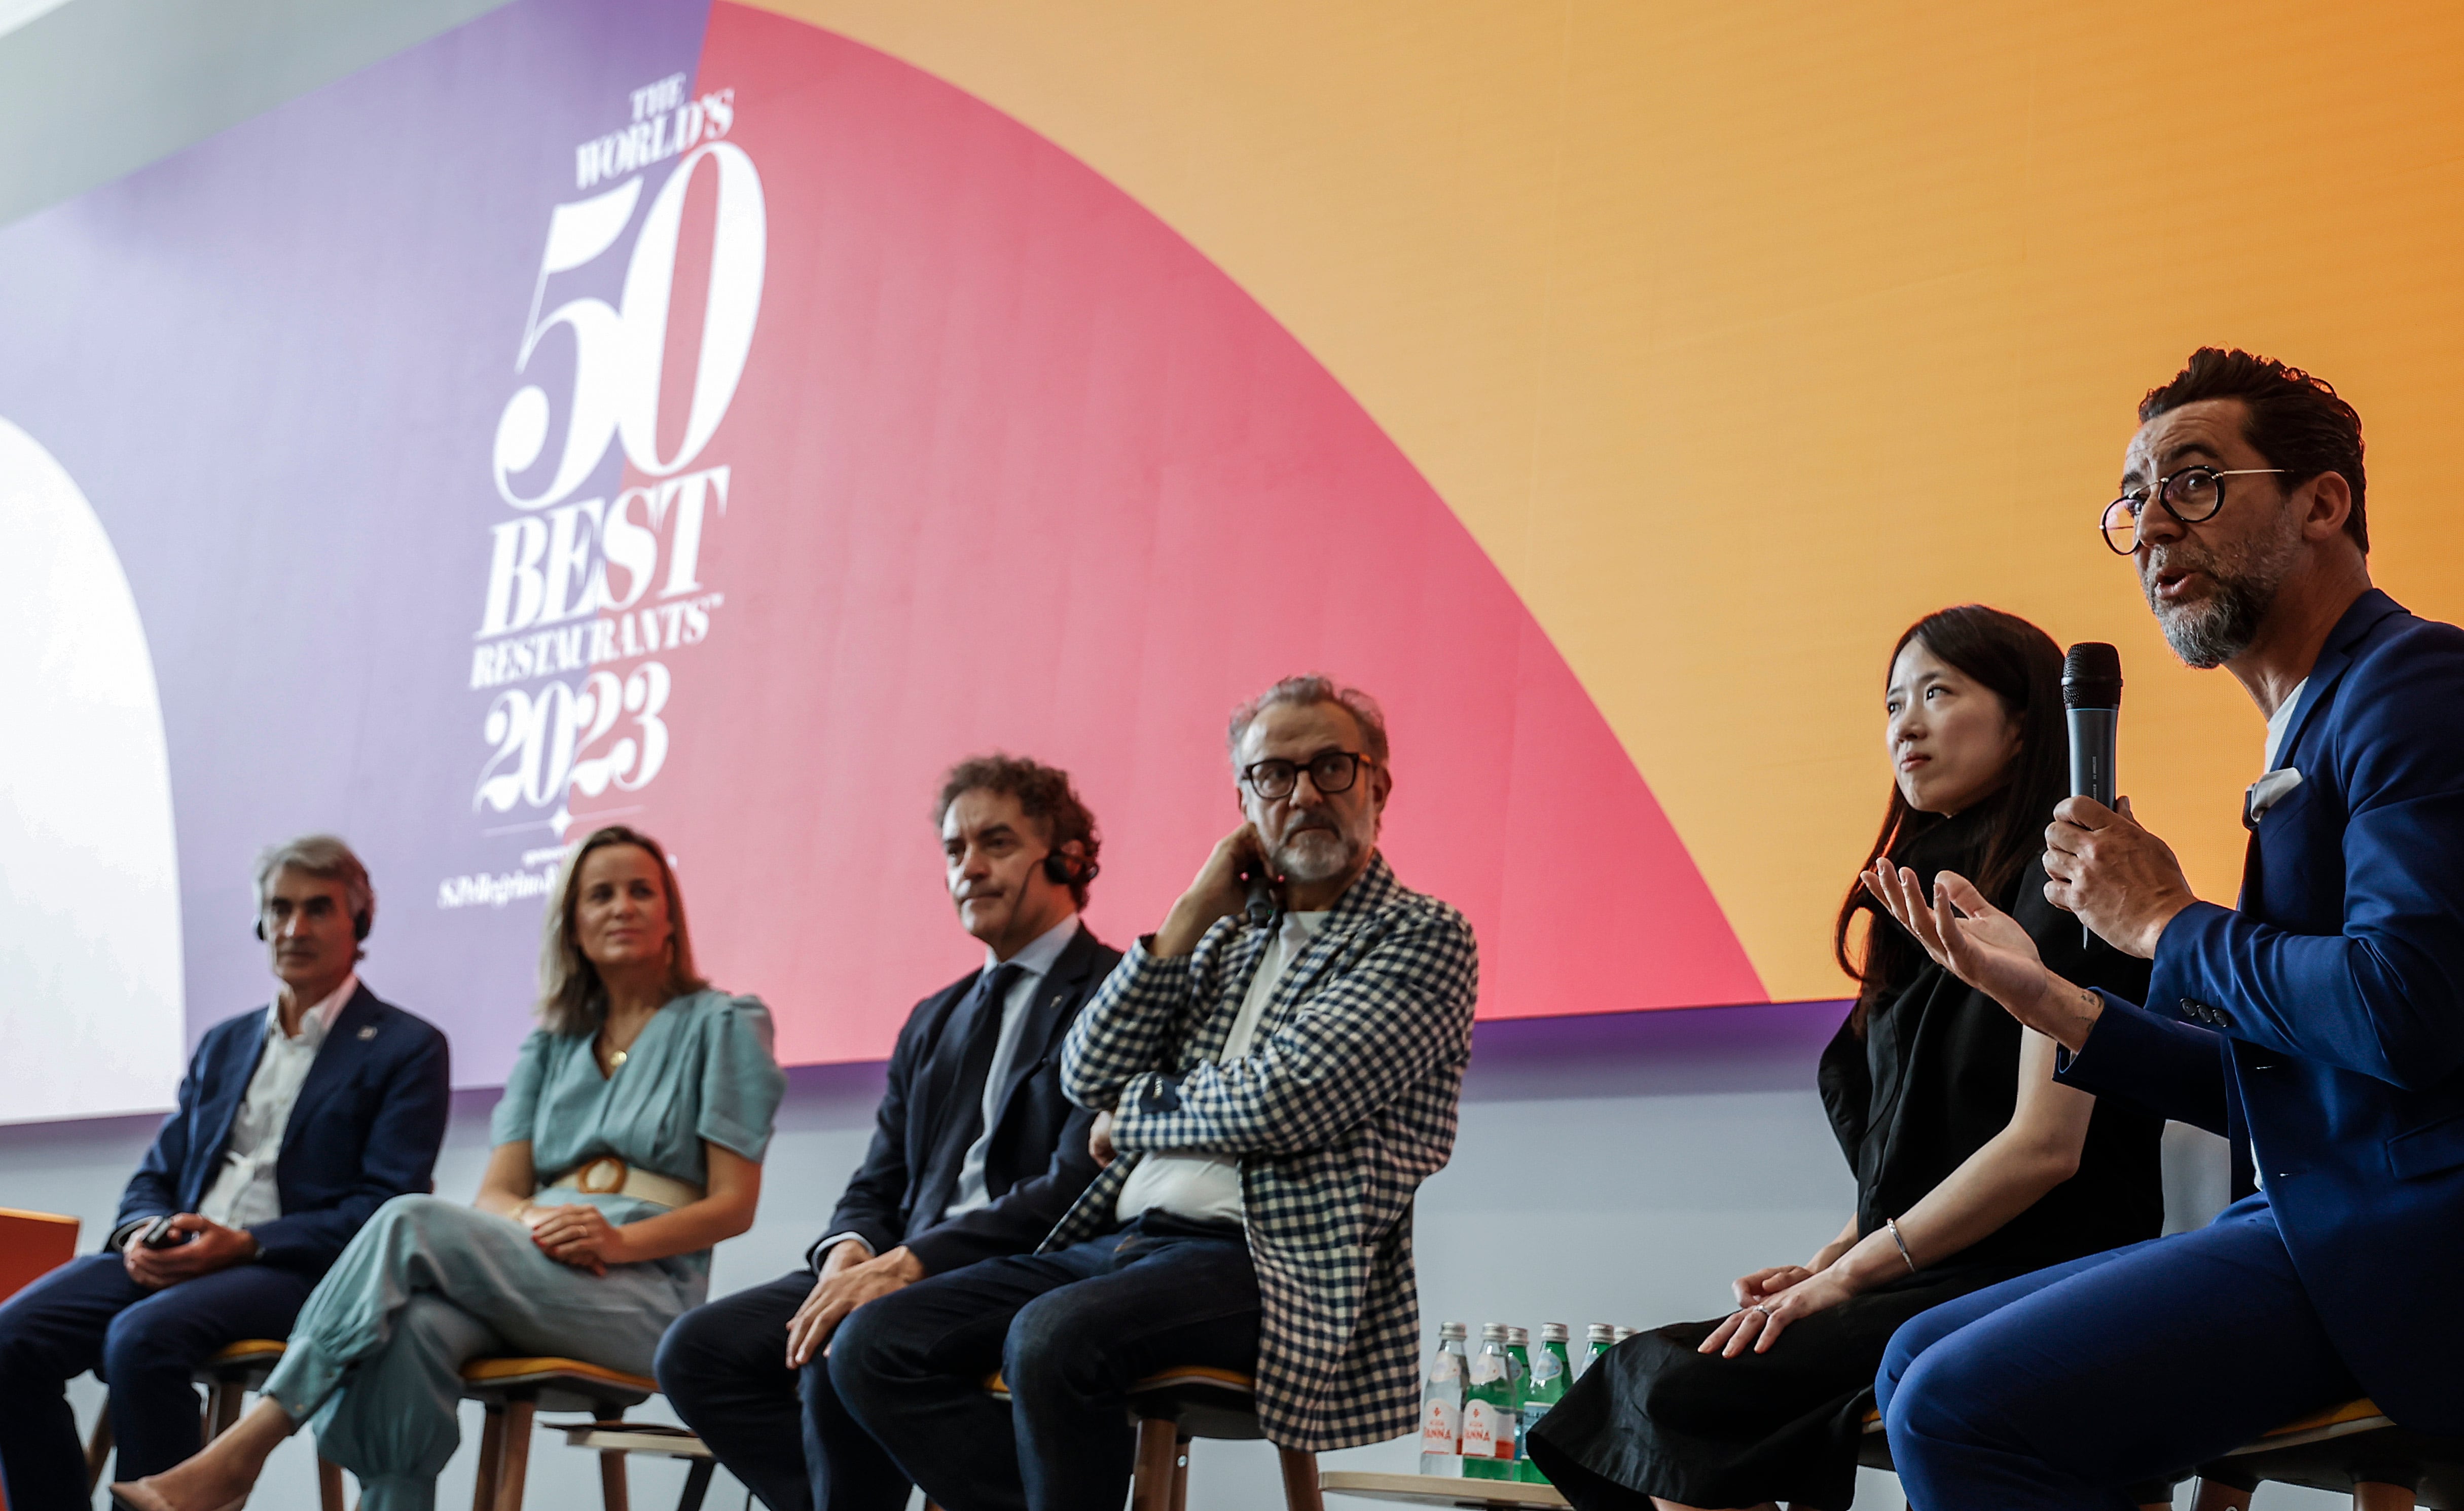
{"x": 294, "y": 1124}
{"x": 976, "y": 1150}
{"x": 2323, "y": 1016}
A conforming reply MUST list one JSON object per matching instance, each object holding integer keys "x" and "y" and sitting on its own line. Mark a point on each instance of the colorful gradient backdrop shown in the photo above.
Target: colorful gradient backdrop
{"x": 1603, "y": 385}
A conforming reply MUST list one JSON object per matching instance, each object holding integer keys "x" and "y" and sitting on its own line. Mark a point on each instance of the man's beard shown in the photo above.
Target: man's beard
{"x": 2214, "y": 629}
{"x": 1316, "y": 854}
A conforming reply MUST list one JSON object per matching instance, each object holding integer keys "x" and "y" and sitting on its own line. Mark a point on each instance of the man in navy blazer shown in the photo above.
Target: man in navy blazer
{"x": 975, "y": 1151}
{"x": 2323, "y": 1018}
{"x": 293, "y": 1124}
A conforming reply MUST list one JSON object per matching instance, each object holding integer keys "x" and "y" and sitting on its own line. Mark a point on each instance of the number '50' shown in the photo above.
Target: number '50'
{"x": 618, "y": 352}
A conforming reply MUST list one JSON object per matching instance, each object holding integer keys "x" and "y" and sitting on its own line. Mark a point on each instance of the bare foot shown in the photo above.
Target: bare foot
{"x": 219, "y": 1477}
{"x": 176, "y": 1490}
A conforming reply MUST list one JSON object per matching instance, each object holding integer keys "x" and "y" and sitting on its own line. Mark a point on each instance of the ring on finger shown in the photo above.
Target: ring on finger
{"x": 1764, "y": 1310}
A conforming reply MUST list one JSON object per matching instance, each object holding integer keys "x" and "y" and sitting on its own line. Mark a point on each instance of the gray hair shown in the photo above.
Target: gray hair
{"x": 1304, "y": 691}
{"x": 326, "y": 858}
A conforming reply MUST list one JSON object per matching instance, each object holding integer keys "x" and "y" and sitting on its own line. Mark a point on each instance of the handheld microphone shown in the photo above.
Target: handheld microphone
{"x": 2092, "y": 706}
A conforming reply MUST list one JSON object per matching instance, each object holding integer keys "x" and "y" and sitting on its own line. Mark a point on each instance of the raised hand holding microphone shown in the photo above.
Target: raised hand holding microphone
{"x": 2122, "y": 881}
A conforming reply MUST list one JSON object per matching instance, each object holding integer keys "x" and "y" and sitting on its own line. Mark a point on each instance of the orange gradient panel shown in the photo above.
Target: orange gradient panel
{"x": 1740, "y": 337}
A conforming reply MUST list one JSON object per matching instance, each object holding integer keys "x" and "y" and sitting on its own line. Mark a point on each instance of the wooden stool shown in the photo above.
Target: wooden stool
{"x": 2339, "y": 1448}
{"x": 621, "y": 1437}
{"x": 2330, "y": 1450}
{"x": 227, "y": 1378}
{"x": 1174, "y": 1406}
{"x": 1437, "y": 1490}
{"x": 515, "y": 1391}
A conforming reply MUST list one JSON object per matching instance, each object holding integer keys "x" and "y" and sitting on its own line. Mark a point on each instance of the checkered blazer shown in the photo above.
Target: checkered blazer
{"x": 1345, "y": 1104}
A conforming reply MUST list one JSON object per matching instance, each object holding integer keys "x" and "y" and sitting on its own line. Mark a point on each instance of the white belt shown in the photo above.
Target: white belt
{"x": 611, "y": 1176}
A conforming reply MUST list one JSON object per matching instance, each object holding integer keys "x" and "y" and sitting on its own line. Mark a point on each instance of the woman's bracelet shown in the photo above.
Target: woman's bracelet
{"x": 1893, "y": 1224}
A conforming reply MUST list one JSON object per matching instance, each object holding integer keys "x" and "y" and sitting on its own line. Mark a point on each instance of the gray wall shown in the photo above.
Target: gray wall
{"x": 1609, "y": 1169}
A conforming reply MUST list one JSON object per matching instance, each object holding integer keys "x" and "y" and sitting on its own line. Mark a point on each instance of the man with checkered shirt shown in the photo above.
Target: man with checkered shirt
{"x": 1268, "y": 1099}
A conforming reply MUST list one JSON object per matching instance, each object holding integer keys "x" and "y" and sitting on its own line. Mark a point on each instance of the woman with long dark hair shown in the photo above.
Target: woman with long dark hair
{"x": 628, "y": 1141}
{"x": 1971, "y": 1165}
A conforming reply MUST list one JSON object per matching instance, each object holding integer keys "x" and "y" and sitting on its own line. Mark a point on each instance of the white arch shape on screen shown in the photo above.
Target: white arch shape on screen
{"x": 91, "y": 1016}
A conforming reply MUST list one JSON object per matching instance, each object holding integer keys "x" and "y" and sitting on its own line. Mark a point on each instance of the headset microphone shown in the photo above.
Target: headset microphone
{"x": 2092, "y": 707}
{"x": 1263, "y": 904}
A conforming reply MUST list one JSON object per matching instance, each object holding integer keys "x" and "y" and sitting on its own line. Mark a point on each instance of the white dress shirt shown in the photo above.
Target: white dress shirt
{"x": 243, "y": 1192}
{"x": 1206, "y": 1188}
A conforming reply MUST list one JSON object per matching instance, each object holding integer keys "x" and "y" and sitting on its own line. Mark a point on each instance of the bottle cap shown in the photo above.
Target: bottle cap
{"x": 1492, "y": 1332}
{"x": 1517, "y": 1335}
{"x": 1448, "y": 1333}
{"x": 1553, "y": 1332}
{"x": 1622, "y": 1334}
{"x": 1600, "y": 1332}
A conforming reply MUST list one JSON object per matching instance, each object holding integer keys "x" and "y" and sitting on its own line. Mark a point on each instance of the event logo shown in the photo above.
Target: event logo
{"x": 586, "y": 600}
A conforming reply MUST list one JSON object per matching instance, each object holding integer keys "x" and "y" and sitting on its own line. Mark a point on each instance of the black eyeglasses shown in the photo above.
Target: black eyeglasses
{"x": 1329, "y": 772}
{"x": 2190, "y": 496}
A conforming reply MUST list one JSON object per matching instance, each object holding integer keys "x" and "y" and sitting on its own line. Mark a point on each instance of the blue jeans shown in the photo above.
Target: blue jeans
{"x": 2067, "y": 1387}
{"x": 1070, "y": 1331}
{"x": 89, "y": 1315}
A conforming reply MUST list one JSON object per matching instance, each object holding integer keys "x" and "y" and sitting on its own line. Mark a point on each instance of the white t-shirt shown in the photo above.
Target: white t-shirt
{"x": 1206, "y": 1188}
{"x": 2281, "y": 721}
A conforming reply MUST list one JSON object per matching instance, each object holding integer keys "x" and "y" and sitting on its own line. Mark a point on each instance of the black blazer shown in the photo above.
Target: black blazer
{"x": 365, "y": 1129}
{"x": 1038, "y": 1162}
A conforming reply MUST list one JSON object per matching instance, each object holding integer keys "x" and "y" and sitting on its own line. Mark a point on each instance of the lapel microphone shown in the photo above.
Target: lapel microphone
{"x": 2092, "y": 707}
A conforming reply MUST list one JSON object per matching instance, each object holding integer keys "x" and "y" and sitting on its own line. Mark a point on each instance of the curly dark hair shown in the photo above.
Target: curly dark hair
{"x": 1043, "y": 795}
{"x": 2295, "y": 420}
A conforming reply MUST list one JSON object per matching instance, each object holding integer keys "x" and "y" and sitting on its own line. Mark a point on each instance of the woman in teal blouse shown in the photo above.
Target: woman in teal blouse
{"x": 628, "y": 1141}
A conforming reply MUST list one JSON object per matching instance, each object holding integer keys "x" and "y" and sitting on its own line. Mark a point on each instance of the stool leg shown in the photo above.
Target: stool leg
{"x": 97, "y": 1450}
{"x": 1151, "y": 1490}
{"x": 329, "y": 1484}
{"x": 697, "y": 1484}
{"x": 612, "y": 1481}
{"x": 2370, "y": 1494}
{"x": 1180, "y": 1474}
{"x": 492, "y": 1450}
{"x": 1300, "y": 1480}
{"x": 227, "y": 1397}
{"x": 513, "y": 1457}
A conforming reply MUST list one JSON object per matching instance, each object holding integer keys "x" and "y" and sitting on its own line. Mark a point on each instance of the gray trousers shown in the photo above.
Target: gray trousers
{"x": 376, "y": 1356}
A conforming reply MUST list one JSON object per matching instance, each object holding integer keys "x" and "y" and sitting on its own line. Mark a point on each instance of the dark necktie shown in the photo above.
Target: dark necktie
{"x": 964, "y": 1060}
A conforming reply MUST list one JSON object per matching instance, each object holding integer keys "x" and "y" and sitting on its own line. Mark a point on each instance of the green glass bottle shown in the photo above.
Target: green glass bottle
{"x": 1551, "y": 1372}
{"x": 1490, "y": 1419}
{"x": 1598, "y": 1338}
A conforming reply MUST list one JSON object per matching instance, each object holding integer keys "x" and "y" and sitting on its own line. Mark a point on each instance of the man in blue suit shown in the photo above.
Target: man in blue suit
{"x": 293, "y": 1124}
{"x": 2322, "y": 1019}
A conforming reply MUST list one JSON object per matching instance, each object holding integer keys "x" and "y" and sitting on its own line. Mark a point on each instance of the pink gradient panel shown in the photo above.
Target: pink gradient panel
{"x": 1013, "y": 467}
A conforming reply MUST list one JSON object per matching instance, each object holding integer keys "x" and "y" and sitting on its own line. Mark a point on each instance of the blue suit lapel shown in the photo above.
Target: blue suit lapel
{"x": 2333, "y": 659}
{"x": 1065, "y": 982}
{"x": 355, "y": 1036}
{"x": 220, "y": 1107}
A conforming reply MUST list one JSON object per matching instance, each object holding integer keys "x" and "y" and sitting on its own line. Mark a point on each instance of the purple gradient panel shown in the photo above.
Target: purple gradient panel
{"x": 274, "y": 363}
{"x": 1770, "y": 1046}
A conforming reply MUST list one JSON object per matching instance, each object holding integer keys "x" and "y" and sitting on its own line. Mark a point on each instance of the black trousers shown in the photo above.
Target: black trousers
{"x": 89, "y": 1315}
{"x": 1070, "y": 1331}
{"x": 783, "y": 1432}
